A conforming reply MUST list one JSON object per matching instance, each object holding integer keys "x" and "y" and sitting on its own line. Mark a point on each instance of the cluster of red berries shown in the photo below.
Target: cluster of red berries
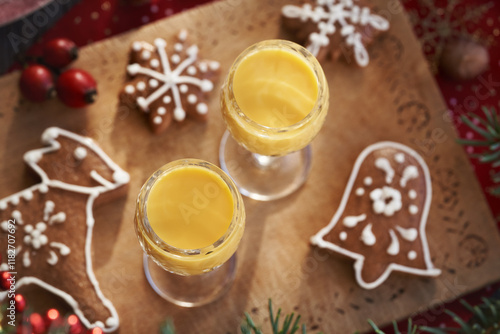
{"x": 74, "y": 87}
{"x": 35, "y": 323}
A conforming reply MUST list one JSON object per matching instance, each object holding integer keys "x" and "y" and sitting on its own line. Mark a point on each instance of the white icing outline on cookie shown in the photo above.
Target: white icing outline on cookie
{"x": 359, "y": 259}
{"x": 120, "y": 178}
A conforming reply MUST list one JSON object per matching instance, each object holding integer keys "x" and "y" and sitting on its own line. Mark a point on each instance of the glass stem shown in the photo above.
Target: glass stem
{"x": 264, "y": 161}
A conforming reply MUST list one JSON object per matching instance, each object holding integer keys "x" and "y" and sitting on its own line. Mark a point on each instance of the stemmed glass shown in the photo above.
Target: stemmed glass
{"x": 272, "y": 160}
{"x": 189, "y": 277}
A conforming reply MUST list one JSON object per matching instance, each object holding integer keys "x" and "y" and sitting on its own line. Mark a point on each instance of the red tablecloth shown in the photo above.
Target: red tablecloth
{"x": 92, "y": 20}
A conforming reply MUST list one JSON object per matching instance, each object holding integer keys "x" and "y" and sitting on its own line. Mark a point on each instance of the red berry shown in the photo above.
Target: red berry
{"x": 95, "y": 330}
{"x": 37, "y": 323}
{"x": 20, "y": 303}
{"x": 76, "y": 88}
{"x": 75, "y": 326}
{"x": 4, "y": 280}
{"x": 59, "y": 52}
{"x": 37, "y": 83}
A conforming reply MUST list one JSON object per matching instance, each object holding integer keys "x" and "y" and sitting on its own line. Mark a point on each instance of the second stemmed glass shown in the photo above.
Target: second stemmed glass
{"x": 274, "y": 102}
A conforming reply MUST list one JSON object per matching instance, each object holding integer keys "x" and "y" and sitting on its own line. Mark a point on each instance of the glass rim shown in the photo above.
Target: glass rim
{"x": 289, "y": 47}
{"x": 169, "y": 167}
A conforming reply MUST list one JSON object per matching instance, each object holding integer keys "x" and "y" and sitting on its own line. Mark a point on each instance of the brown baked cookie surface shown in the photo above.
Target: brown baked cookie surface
{"x": 332, "y": 28}
{"x": 46, "y": 229}
{"x": 169, "y": 81}
{"x": 382, "y": 216}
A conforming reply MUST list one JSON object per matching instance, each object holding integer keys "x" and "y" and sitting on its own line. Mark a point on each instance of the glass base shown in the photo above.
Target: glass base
{"x": 190, "y": 291}
{"x": 261, "y": 177}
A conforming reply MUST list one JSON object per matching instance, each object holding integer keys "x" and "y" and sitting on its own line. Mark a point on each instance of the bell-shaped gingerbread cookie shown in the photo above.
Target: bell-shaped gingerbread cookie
{"x": 381, "y": 220}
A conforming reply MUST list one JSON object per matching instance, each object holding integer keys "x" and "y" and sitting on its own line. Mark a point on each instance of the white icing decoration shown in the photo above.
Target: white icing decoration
{"x": 141, "y": 86}
{"x": 14, "y": 200}
{"x": 368, "y": 181}
{"x": 157, "y": 120}
{"x": 153, "y": 83}
{"x": 154, "y": 63}
{"x": 80, "y": 153}
{"x": 352, "y": 221}
{"x": 385, "y": 165}
{"x": 176, "y": 59}
{"x": 412, "y": 194}
{"x": 319, "y": 238}
{"x": 214, "y": 65}
{"x": 58, "y": 218}
{"x": 27, "y": 195}
{"x": 409, "y": 234}
{"x": 394, "y": 246}
{"x": 183, "y": 35}
{"x": 360, "y": 191}
{"x": 35, "y": 236}
{"x": 4, "y": 267}
{"x": 191, "y": 70}
{"x": 386, "y": 201}
{"x": 413, "y": 209}
{"x": 171, "y": 79}
{"x": 412, "y": 255}
{"x": 129, "y": 89}
{"x": 17, "y": 216}
{"x": 178, "y": 47}
{"x": 3, "y": 205}
{"x": 47, "y": 211}
{"x": 4, "y": 225}
{"x": 399, "y": 157}
{"x": 344, "y": 14}
{"x": 52, "y": 260}
{"x": 202, "y": 108}
{"x": 145, "y": 55}
{"x": 343, "y": 235}
{"x": 410, "y": 172}
{"x": 161, "y": 111}
{"x": 192, "y": 99}
{"x": 367, "y": 236}
{"x": 203, "y": 67}
{"x": 136, "y": 46}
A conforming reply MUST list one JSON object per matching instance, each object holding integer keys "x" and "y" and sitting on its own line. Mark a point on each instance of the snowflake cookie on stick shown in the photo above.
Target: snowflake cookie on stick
{"x": 335, "y": 27}
{"x": 381, "y": 220}
{"x": 169, "y": 81}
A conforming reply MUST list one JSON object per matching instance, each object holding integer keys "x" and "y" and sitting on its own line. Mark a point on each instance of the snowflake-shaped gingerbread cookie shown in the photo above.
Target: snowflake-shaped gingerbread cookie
{"x": 169, "y": 81}
{"x": 335, "y": 27}
{"x": 382, "y": 216}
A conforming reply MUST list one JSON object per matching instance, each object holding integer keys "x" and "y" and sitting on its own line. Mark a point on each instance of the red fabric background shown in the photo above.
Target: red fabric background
{"x": 93, "y": 20}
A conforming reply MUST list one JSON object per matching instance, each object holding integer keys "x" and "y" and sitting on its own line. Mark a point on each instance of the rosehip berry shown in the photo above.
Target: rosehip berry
{"x": 37, "y": 83}
{"x": 4, "y": 280}
{"x": 20, "y": 303}
{"x": 76, "y": 88}
{"x": 95, "y": 330}
{"x": 37, "y": 323}
{"x": 59, "y": 52}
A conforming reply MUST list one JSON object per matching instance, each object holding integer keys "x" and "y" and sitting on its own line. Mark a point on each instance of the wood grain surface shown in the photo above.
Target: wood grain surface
{"x": 394, "y": 98}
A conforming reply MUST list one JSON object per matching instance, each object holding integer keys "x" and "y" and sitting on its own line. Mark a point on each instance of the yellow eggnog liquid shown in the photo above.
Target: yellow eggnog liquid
{"x": 190, "y": 207}
{"x": 275, "y": 88}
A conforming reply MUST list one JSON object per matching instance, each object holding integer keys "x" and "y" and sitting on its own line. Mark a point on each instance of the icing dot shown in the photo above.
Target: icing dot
{"x": 412, "y": 255}
{"x": 400, "y": 158}
{"x": 154, "y": 63}
{"x": 3, "y": 205}
{"x": 179, "y": 114}
{"x": 43, "y": 240}
{"x": 111, "y": 322}
{"x": 176, "y": 59}
{"x": 43, "y": 188}
{"x": 129, "y": 89}
{"x": 49, "y": 135}
{"x": 160, "y": 43}
{"x": 145, "y": 55}
{"x": 4, "y": 267}
{"x": 32, "y": 157}
{"x": 28, "y": 228}
{"x": 203, "y": 67}
{"x": 161, "y": 111}
{"x": 153, "y": 83}
{"x": 368, "y": 181}
{"x": 202, "y": 108}
{"x": 121, "y": 177}
{"x": 80, "y": 153}
{"x": 192, "y": 99}
{"x": 157, "y": 120}
{"x": 343, "y": 235}
{"x": 360, "y": 191}
{"x": 412, "y": 194}
{"x": 15, "y": 200}
{"x": 133, "y": 69}
{"x": 214, "y": 65}
{"x": 207, "y": 85}
{"x": 413, "y": 209}
{"x": 191, "y": 70}
{"x": 182, "y": 35}
{"x": 178, "y": 47}
{"x": 167, "y": 99}
{"x": 183, "y": 88}
{"x": 136, "y": 46}
{"x": 27, "y": 195}
{"x": 141, "y": 86}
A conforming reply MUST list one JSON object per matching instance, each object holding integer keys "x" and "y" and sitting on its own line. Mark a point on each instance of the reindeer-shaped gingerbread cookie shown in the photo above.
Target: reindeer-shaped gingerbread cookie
{"x": 46, "y": 229}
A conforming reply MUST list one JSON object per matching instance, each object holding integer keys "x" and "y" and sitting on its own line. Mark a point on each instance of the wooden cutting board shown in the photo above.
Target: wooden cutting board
{"x": 394, "y": 98}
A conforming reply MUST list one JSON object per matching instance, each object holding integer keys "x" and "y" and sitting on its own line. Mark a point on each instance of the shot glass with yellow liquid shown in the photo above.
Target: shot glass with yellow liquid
{"x": 189, "y": 221}
{"x": 274, "y": 102}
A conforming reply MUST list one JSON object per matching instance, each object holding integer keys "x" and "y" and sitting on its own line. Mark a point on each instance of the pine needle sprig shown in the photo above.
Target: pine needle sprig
{"x": 411, "y": 329}
{"x": 488, "y": 127}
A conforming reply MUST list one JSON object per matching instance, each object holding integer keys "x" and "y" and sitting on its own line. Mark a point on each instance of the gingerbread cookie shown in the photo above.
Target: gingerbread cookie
{"x": 169, "y": 81}
{"x": 46, "y": 229}
{"x": 334, "y": 27}
{"x": 382, "y": 216}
